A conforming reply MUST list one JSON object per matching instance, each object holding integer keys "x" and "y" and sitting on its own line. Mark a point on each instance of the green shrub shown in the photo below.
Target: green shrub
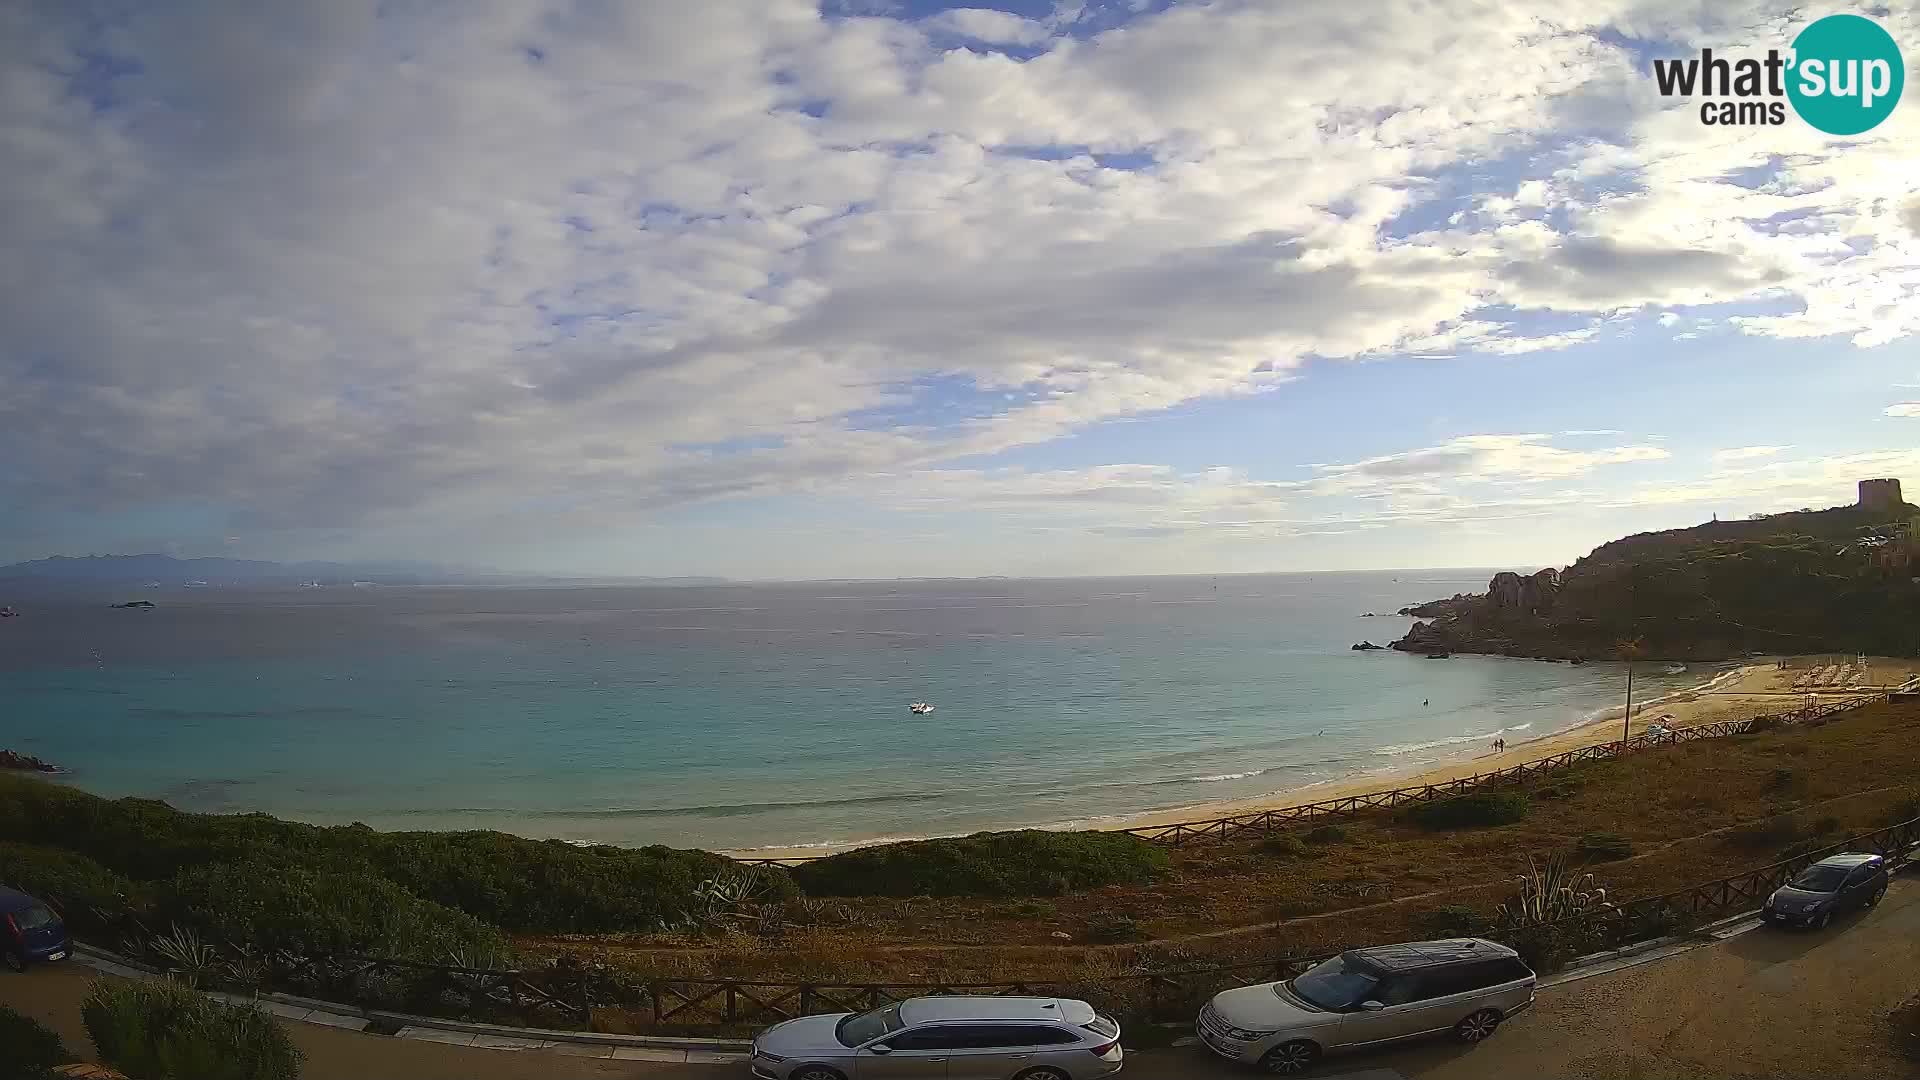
{"x": 1782, "y": 777}
{"x": 1466, "y": 811}
{"x": 514, "y": 883}
{"x": 27, "y": 1049}
{"x": 1604, "y": 847}
{"x": 551, "y": 885}
{"x": 1547, "y": 949}
{"x": 160, "y": 1031}
{"x": 74, "y": 884}
{"x": 1327, "y": 834}
{"x": 1032, "y": 862}
{"x": 1113, "y": 929}
{"x": 1284, "y": 846}
{"x": 280, "y": 906}
{"x": 1452, "y": 921}
{"x": 1825, "y": 825}
{"x": 1764, "y": 723}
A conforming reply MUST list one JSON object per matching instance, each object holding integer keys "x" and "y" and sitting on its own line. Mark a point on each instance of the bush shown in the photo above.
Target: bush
{"x": 1452, "y": 921}
{"x": 1113, "y": 929}
{"x": 515, "y": 883}
{"x": 1826, "y": 825}
{"x": 1465, "y": 811}
{"x": 160, "y": 1031}
{"x": 1031, "y": 862}
{"x": 1782, "y": 777}
{"x": 1327, "y": 834}
{"x": 1764, "y": 723}
{"x": 1284, "y": 846}
{"x": 551, "y": 885}
{"x": 27, "y": 1049}
{"x": 1604, "y": 847}
{"x": 280, "y": 906}
{"x": 74, "y": 884}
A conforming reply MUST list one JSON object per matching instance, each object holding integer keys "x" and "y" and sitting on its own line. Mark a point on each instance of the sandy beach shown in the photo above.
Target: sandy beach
{"x": 1758, "y": 688}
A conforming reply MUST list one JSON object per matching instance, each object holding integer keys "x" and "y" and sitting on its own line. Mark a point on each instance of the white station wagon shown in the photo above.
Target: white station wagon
{"x": 1366, "y": 997}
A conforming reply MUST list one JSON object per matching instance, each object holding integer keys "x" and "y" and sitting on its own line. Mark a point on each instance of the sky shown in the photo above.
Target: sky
{"x": 789, "y": 289}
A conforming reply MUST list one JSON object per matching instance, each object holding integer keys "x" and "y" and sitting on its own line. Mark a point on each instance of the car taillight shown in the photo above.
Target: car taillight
{"x": 1105, "y": 1049}
{"x": 14, "y": 928}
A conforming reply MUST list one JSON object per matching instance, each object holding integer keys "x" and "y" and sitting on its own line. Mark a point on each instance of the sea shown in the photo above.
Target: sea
{"x": 740, "y": 717}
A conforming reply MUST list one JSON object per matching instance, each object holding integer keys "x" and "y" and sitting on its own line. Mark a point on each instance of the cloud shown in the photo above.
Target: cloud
{"x": 354, "y": 265}
{"x": 1904, "y": 408}
{"x": 1745, "y": 453}
{"x": 989, "y": 25}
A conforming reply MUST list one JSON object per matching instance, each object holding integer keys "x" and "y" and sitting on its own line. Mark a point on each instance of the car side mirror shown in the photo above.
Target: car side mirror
{"x": 1372, "y": 1006}
{"x": 880, "y": 1048}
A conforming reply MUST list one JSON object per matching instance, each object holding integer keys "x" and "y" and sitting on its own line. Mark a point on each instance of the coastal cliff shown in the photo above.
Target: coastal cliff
{"x": 1839, "y": 580}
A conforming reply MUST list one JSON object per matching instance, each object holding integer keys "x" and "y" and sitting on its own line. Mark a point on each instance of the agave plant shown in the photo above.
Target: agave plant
{"x": 1550, "y": 892}
{"x": 730, "y": 899}
{"x": 190, "y": 960}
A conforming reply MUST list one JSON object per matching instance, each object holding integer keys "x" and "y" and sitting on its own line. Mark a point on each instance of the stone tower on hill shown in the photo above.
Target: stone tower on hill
{"x": 1880, "y": 495}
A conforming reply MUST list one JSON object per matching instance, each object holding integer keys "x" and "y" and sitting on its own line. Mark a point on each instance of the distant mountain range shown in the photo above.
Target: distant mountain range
{"x": 165, "y": 571}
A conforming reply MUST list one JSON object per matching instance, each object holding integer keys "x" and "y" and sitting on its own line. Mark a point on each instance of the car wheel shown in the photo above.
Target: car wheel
{"x": 816, "y": 1072}
{"x": 1045, "y": 1072}
{"x": 1820, "y": 921}
{"x": 1477, "y": 1027}
{"x": 1873, "y": 898}
{"x": 13, "y": 960}
{"x": 1291, "y": 1058}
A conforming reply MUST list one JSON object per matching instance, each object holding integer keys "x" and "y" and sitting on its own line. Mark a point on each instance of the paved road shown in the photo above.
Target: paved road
{"x": 1767, "y": 1004}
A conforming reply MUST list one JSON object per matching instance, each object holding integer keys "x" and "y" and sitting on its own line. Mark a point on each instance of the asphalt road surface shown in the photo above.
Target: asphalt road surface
{"x": 1767, "y": 1005}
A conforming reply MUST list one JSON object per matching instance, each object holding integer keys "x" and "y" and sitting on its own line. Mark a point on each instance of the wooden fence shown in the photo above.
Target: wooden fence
{"x": 572, "y": 995}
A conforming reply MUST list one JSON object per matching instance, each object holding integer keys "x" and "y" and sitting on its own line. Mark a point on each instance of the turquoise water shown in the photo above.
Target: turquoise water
{"x": 744, "y": 716}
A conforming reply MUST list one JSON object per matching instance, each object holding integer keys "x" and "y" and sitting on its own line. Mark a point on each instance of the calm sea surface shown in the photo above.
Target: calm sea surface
{"x": 740, "y": 716}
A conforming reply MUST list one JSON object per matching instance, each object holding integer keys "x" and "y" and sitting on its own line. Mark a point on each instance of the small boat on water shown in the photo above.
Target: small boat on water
{"x": 1676, "y": 669}
{"x": 8, "y": 613}
{"x": 920, "y": 708}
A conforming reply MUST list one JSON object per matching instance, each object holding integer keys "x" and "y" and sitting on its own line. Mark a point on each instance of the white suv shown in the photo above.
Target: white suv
{"x": 1365, "y": 997}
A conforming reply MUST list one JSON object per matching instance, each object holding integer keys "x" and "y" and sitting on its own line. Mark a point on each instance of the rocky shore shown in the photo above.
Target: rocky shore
{"x": 10, "y": 759}
{"x": 1837, "y": 580}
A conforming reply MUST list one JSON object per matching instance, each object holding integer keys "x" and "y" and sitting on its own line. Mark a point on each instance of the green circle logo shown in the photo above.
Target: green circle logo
{"x": 1846, "y": 74}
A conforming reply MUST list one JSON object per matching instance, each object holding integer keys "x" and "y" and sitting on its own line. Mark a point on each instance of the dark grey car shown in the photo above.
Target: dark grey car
{"x": 1834, "y": 884}
{"x": 945, "y": 1038}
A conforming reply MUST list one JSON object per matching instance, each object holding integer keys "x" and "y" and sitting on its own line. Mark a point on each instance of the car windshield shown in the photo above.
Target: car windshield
{"x": 1820, "y": 878}
{"x": 34, "y": 918}
{"x": 868, "y": 1026}
{"x": 1336, "y": 984}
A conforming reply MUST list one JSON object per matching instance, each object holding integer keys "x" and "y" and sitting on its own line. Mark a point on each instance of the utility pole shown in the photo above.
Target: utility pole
{"x": 1626, "y": 722}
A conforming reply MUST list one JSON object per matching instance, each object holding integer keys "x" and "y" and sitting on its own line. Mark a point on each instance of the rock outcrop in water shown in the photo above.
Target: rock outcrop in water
{"x": 1814, "y": 581}
{"x": 19, "y": 762}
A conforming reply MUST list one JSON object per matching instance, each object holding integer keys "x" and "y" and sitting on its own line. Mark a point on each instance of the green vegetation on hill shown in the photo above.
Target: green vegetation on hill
{"x": 1030, "y": 862}
{"x": 1838, "y": 580}
{"x": 89, "y": 850}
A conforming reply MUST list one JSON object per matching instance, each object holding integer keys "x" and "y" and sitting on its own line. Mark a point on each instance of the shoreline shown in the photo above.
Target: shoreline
{"x": 1755, "y": 688}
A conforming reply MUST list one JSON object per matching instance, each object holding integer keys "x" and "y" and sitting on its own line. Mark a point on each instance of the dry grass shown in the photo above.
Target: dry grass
{"x": 1687, "y": 811}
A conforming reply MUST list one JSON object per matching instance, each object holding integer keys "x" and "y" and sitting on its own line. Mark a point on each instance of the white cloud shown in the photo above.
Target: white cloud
{"x": 1745, "y": 453}
{"x": 989, "y": 25}
{"x": 342, "y": 264}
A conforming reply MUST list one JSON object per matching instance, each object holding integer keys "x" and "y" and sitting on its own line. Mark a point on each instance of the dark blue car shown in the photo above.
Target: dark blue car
{"x": 29, "y": 931}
